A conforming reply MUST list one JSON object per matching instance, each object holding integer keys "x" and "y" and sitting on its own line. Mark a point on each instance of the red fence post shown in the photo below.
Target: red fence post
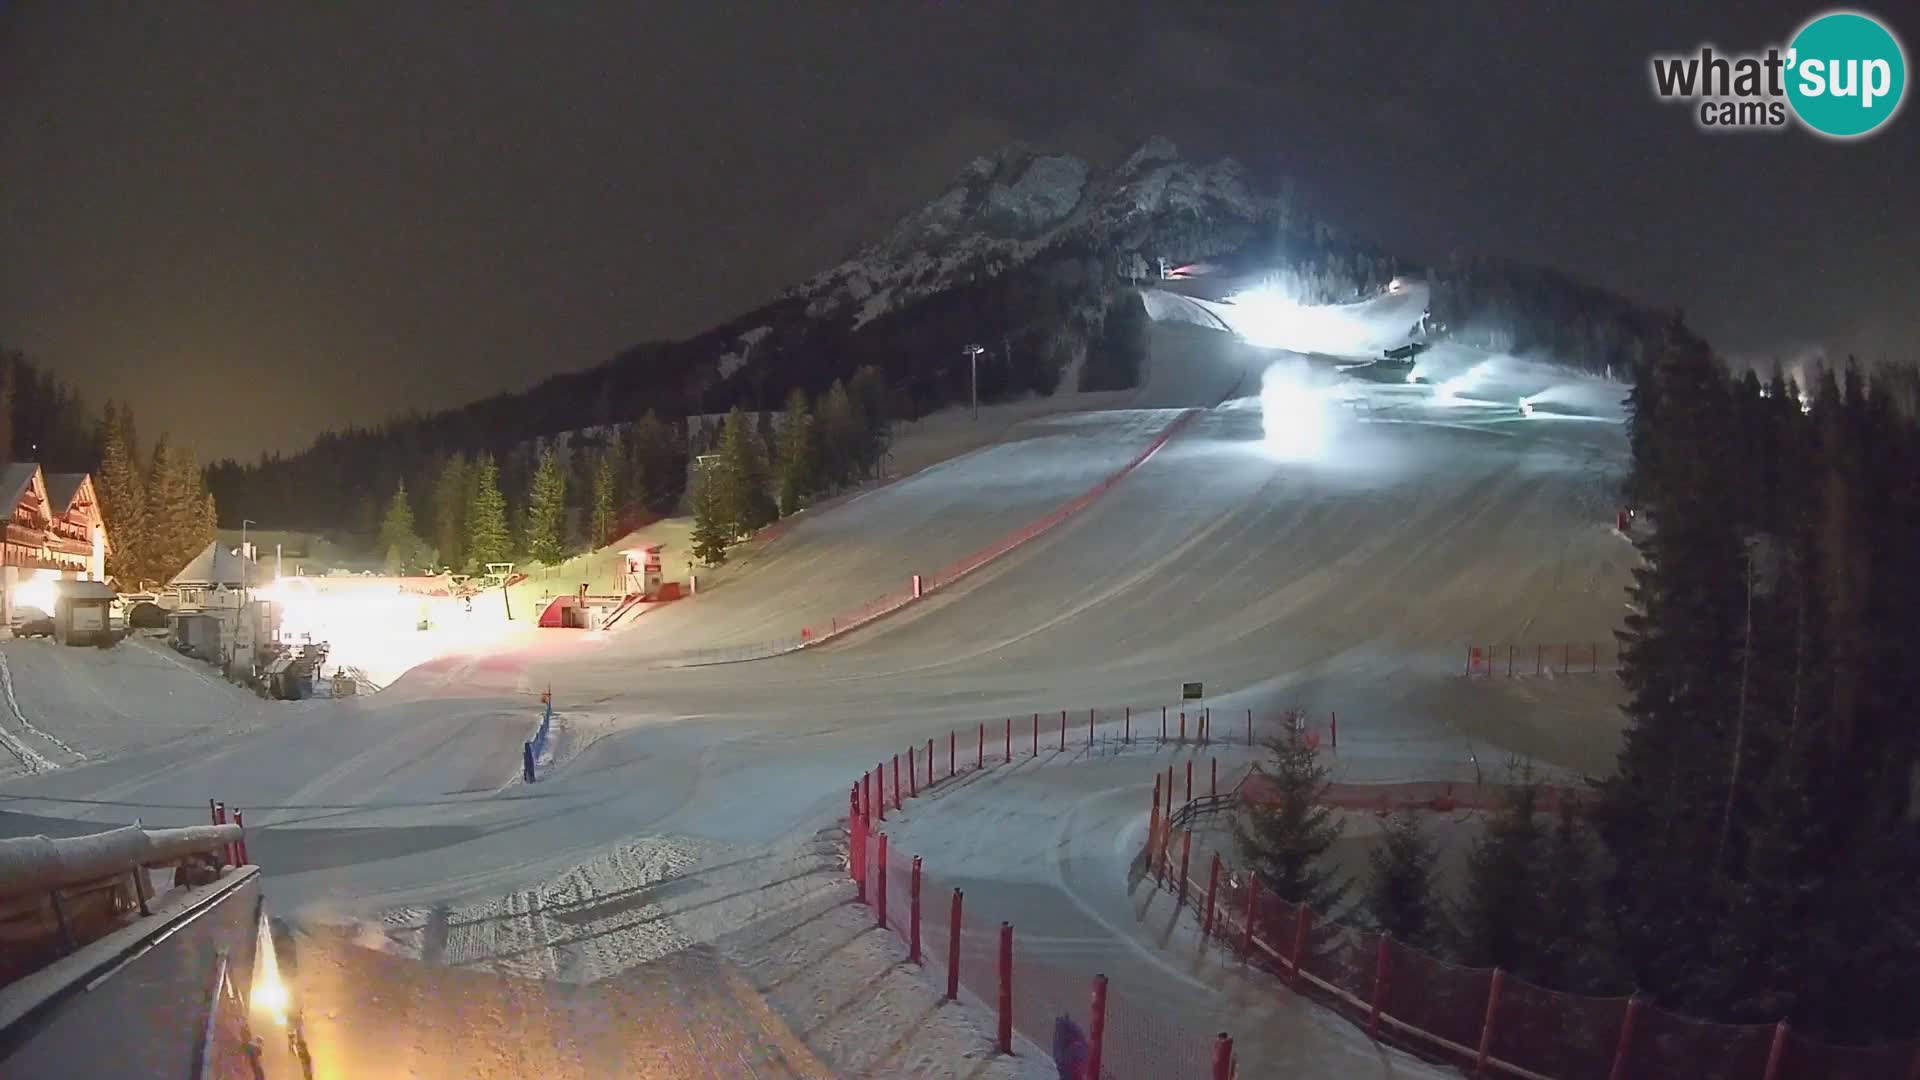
{"x": 857, "y": 845}
{"x": 880, "y": 789}
{"x": 1776, "y": 1051}
{"x": 913, "y": 913}
{"x": 1222, "y": 1057}
{"x": 1006, "y": 988}
{"x": 1622, "y": 1048}
{"x": 1186, "y": 853}
{"x": 1253, "y": 907}
{"x": 897, "y": 803}
{"x": 1300, "y": 938}
{"x": 1213, "y": 885}
{"x": 929, "y": 762}
{"x": 1213, "y": 779}
{"x": 882, "y": 881}
{"x": 1096, "y": 1025}
{"x": 1493, "y": 1011}
{"x": 1036, "y": 734}
{"x": 240, "y": 845}
{"x": 1127, "y": 733}
{"x": 1189, "y": 797}
{"x": 1249, "y": 727}
{"x": 980, "y": 754}
{"x": 1009, "y": 740}
{"x": 1089, "y": 731}
{"x": 866, "y": 799}
{"x": 1169, "y": 812}
{"x": 1379, "y": 986}
{"x": 913, "y": 775}
{"x": 1163, "y": 723}
{"x": 1333, "y": 729}
{"x": 953, "y": 948}
{"x": 953, "y": 738}
{"x": 1183, "y": 725}
{"x": 1063, "y": 731}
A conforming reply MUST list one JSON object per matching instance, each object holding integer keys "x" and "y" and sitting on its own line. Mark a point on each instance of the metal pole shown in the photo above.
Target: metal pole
{"x": 1006, "y": 988}
{"x": 913, "y": 914}
{"x": 953, "y": 948}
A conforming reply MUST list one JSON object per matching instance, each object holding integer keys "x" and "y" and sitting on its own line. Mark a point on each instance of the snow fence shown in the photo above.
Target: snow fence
{"x": 1484, "y": 1020}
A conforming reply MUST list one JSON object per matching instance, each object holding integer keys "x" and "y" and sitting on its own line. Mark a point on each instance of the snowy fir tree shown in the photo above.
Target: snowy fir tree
{"x": 487, "y": 538}
{"x": 1285, "y": 835}
{"x": 1400, "y": 897}
{"x": 546, "y": 519}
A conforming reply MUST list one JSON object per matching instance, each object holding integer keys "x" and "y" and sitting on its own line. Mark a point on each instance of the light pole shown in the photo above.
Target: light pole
{"x": 973, "y": 355}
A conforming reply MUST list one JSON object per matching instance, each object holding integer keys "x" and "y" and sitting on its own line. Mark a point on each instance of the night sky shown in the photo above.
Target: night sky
{"x": 258, "y": 226}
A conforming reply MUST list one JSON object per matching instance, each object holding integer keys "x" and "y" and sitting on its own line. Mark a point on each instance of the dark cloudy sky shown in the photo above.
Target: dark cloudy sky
{"x": 261, "y": 220}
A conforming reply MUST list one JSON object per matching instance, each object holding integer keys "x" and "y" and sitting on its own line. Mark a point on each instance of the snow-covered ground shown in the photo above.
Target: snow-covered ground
{"x": 1349, "y": 580}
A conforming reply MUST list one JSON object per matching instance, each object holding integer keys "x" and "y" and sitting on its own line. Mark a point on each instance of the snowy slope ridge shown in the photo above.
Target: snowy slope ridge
{"x": 1007, "y": 207}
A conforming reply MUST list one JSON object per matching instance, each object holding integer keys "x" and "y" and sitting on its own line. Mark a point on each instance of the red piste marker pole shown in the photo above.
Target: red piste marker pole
{"x": 1253, "y": 901}
{"x": 1213, "y": 885}
{"x": 1183, "y": 725}
{"x": 1096, "y": 1025}
{"x": 1036, "y": 734}
{"x": 1189, "y": 797}
{"x": 1493, "y": 1012}
{"x": 1222, "y": 1057}
{"x": 1379, "y": 986}
{"x": 1163, "y": 723}
{"x": 1006, "y": 988}
{"x": 1009, "y": 746}
{"x": 880, "y": 788}
{"x": 953, "y": 738}
{"x": 913, "y": 775}
{"x": 913, "y": 914}
{"x": 1213, "y": 781}
{"x": 896, "y": 782}
{"x": 866, "y": 799}
{"x": 1127, "y": 734}
{"x": 240, "y": 845}
{"x": 980, "y": 753}
{"x": 1249, "y": 727}
{"x": 857, "y": 848}
{"x": 1169, "y": 813}
{"x": 1089, "y": 731}
{"x": 953, "y": 948}
{"x": 1063, "y": 731}
{"x": 1619, "y": 1070}
{"x": 1300, "y": 938}
{"x": 882, "y": 881}
{"x": 1186, "y": 854}
{"x": 1333, "y": 729}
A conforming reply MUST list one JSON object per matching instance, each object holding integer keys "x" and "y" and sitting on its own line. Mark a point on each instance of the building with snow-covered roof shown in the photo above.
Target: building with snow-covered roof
{"x": 53, "y": 530}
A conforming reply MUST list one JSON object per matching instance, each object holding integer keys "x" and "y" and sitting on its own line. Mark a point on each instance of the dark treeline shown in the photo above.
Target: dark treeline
{"x": 1762, "y": 822}
{"x": 1755, "y": 855}
{"x": 155, "y": 501}
{"x": 42, "y": 419}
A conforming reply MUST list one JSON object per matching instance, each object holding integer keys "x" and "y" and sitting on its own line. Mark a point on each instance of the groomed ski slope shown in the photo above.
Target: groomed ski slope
{"x": 1351, "y": 581}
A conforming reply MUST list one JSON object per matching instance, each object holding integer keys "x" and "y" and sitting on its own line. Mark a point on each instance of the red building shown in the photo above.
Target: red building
{"x": 54, "y": 530}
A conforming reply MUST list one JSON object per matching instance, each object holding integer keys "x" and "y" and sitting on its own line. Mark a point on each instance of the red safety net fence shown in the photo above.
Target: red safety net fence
{"x": 1483, "y": 1019}
{"x": 970, "y": 941}
{"x": 1541, "y": 659}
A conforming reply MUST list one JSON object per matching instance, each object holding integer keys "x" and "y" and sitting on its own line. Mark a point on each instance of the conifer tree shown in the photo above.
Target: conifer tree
{"x": 1400, "y": 890}
{"x": 743, "y": 472}
{"x": 601, "y": 513}
{"x": 398, "y": 540}
{"x": 711, "y": 530}
{"x": 487, "y": 539}
{"x": 452, "y": 495}
{"x": 796, "y": 453}
{"x": 1498, "y": 919}
{"x": 547, "y": 510}
{"x": 1285, "y": 835}
{"x": 122, "y": 493}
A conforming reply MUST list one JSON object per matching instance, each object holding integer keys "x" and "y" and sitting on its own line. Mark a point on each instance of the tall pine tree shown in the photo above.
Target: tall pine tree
{"x": 601, "y": 512}
{"x": 547, "y": 510}
{"x": 712, "y": 532}
{"x": 487, "y": 539}
{"x": 1285, "y": 835}
{"x": 797, "y": 467}
{"x": 452, "y": 495}
{"x": 122, "y": 492}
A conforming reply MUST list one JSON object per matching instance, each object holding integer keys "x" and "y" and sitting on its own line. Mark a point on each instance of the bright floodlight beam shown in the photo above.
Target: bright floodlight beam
{"x": 1296, "y": 418}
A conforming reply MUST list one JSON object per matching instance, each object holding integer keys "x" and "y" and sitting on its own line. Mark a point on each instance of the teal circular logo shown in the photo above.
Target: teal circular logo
{"x": 1846, "y": 74}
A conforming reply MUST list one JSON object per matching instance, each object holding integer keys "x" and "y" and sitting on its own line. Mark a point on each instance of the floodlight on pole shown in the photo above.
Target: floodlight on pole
{"x": 973, "y": 355}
